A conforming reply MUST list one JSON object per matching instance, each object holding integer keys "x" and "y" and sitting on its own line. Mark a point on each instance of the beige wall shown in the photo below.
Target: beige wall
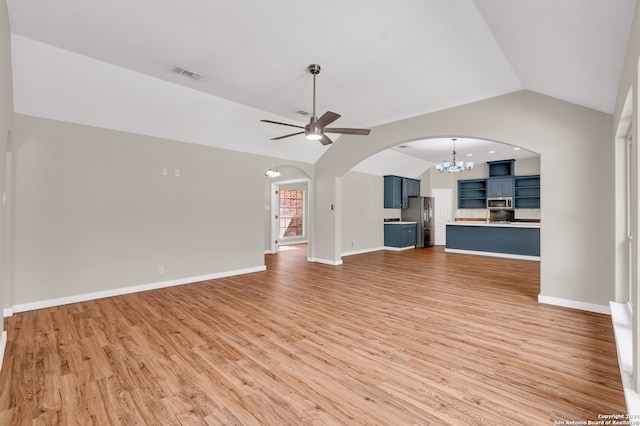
{"x": 362, "y": 212}
{"x": 6, "y": 124}
{"x": 527, "y": 166}
{"x": 576, "y": 236}
{"x": 95, "y": 213}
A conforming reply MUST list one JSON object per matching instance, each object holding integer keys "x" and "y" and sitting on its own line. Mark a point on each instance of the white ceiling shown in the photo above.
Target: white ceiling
{"x": 381, "y": 61}
{"x": 468, "y": 150}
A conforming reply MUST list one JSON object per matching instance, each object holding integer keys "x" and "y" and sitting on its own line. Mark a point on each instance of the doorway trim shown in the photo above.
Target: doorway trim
{"x": 275, "y": 187}
{"x": 438, "y": 195}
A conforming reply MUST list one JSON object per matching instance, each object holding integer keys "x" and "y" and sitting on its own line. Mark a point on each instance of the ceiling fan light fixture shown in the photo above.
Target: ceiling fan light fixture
{"x": 313, "y": 135}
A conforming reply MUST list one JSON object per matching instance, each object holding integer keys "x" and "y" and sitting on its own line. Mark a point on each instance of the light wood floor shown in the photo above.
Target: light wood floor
{"x": 417, "y": 337}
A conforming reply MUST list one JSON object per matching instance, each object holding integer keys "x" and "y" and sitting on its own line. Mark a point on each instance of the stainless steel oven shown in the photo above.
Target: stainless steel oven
{"x": 499, "y": 203}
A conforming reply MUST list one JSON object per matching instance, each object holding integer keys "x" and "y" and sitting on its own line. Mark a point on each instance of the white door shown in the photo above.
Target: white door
{"x": 443, "y": 200}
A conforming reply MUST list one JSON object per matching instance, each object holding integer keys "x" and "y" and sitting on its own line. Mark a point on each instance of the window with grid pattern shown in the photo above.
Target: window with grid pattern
{"x": 291, "y": 213}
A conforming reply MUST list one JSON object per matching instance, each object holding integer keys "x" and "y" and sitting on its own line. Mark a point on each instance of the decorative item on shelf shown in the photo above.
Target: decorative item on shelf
{"x": 454, "y": 166}
{"x": 272, "y": 173}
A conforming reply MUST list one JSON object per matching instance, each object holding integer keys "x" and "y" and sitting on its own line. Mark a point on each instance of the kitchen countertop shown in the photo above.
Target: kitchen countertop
{"x": 496, "y": 224}
{"x": 399, "y": 222}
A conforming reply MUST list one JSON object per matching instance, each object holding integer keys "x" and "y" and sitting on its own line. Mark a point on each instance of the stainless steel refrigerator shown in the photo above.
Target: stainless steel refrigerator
{"x": 421, "y": 211}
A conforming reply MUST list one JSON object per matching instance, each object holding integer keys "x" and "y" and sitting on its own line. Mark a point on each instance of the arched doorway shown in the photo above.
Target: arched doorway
{"x": 563, "y": 134}
{"x": 417, "y": 159}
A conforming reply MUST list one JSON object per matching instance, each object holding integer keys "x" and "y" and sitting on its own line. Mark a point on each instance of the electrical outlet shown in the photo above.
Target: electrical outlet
{"x": 165, "y": 171}
{"x": 161, "y": 270}
{"x": 177, "y": 172}
{"x": 351, "y": 243}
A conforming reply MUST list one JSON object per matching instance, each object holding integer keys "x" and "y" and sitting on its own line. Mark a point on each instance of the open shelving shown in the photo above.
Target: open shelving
{"x": 472, "y": 194}
{"x": 527, "y": 192}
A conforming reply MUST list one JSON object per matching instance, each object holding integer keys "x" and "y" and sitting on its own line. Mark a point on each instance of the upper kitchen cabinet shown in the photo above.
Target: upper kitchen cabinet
{"x": 413, "y": 187}
{"x": 501, "y": 168}
{"x": 500, "y": 187}
{"x": 394, "y": 196}
{"x": 500, "y": 182}
{"x": 397, "y": 191}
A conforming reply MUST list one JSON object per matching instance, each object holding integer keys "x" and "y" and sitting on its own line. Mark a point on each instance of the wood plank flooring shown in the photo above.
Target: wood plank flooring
{"x": 419, "y": 337}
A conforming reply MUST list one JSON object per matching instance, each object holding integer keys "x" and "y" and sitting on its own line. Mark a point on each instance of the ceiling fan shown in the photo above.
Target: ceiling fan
{"x": 316, "y": 128}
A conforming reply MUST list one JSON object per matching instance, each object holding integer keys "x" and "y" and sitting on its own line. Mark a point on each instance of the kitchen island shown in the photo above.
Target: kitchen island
{"x": 517, "y": 240}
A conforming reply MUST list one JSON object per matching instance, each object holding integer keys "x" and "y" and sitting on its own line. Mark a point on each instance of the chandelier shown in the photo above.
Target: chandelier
{"x": 454, "y": 166}
{"x": 272, "y": 173}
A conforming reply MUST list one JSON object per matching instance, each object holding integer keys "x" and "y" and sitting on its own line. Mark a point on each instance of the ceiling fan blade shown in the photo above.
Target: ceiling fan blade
{"x": 326, "y": 119}
{"x": 286, "y": 136}
{"x": 347, "y": 131}
{"x": 325, "y": 140}
{"x": 282, "y": 124}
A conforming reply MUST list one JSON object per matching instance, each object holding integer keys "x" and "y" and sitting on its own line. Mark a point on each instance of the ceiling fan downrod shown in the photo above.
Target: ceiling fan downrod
{"x": 311, "y": 130}
{"x": 315, "y": 70}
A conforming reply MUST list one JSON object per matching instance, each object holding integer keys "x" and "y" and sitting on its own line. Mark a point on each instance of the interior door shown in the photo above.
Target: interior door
{"x": 443, "y": 199}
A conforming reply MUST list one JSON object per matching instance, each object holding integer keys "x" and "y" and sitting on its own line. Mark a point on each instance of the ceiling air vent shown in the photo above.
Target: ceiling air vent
{"x": 187, "y": 73}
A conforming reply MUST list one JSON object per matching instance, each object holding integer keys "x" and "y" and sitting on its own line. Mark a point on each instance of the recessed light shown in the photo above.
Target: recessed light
{"x": 469, "y": 155}
{"x": 301, "y": 112}
{"x": 516, "y": 148}
{"x": 403, "y": 146}
{"x": 492, "y": 152}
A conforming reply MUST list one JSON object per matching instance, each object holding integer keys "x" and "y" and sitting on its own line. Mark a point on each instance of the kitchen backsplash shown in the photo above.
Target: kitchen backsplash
{"x": 392, "y": 213}
{"x": 482, "y": 213}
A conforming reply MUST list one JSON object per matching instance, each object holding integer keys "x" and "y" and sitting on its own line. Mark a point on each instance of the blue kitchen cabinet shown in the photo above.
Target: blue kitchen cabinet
{"x": 393, "y": 194}
{"x": 413, "y": 187}
{"x": 399, "y": 235}
{"x": 500, "y": 187}
{"x": 398, "y": 189}
{"x": 501, "y": 168}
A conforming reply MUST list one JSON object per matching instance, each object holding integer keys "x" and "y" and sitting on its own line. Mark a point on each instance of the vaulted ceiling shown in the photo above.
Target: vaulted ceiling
{"x": 109, "y": 64}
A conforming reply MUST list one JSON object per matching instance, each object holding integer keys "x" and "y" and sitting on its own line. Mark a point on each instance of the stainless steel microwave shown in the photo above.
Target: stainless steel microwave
{"x": 499, "y": 203}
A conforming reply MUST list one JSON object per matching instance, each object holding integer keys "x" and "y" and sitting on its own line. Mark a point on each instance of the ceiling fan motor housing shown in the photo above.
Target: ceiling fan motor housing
{"x": 311, "y": 131}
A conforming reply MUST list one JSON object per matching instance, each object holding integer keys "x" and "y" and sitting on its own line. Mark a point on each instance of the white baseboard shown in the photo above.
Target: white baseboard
{"x": 493, "y": 254}
{"x": 622, "y": 319}
{"x": 125, "y": 290}
{"x": 325, "y": 261}
{"x": 398, "y": 248}
{"x": 3, "y": 346}
{"x": 369, "y": 250}
{"x": 574, "y": 304}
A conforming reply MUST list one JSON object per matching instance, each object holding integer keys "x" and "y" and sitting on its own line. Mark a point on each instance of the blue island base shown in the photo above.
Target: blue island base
{"x": 503, "y": 241}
